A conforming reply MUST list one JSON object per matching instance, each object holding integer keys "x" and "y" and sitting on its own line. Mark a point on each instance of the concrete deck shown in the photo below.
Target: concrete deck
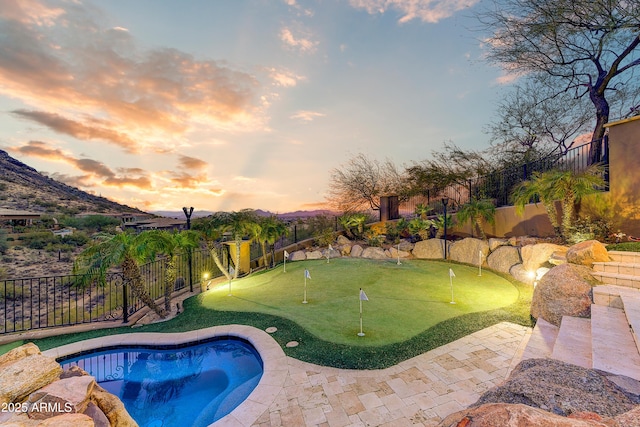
{"x": 417, "y": 392}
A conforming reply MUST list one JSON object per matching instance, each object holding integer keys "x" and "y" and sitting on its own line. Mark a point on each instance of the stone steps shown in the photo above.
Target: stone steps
{"x": 613, "y": 347}
{"x": 573, "y": 344}
{"x": 622, "y": 270}
{"x": 609, "y": 340}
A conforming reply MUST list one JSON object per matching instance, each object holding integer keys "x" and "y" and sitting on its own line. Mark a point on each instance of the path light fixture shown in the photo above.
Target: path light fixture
{"x": 445, "y": 202}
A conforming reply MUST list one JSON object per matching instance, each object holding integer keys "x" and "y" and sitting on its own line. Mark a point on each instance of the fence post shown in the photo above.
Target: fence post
{"x": 295, "y": 233}
{"x": 125, "y": 303}
{"x": 190, "y": 261}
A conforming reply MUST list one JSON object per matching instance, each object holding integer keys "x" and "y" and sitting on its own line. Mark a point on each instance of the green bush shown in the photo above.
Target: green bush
{"x": 325, "y": 237}
{"x": 625, "y": 246}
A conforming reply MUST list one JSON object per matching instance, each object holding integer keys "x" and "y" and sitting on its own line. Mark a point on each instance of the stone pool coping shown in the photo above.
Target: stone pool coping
{"x": 276, "y": 367}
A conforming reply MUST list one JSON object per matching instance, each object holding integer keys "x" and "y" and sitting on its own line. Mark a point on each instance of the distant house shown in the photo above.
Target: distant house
{"x": 124, "y": 217}
{"x": 17, "y": 217}
{"x": 63, "y": 232}
{"x": 159, "y": 223}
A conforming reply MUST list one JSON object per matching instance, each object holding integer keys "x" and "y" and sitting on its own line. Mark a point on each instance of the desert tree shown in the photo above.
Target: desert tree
{"x": 587, "y": 48}
{"x": 359, "y": 183}
{"x": 533, "y": 121}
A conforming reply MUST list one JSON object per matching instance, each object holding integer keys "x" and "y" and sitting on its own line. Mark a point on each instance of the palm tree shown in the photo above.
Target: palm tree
{"x": 124, "y": 250}
{"x": 438, "y": 223}
{"x": 353, "y": 224}
{"x": 568, "y": 187}
{"x": 172, "y": 245}
{"x": 270, "y": 229}
{"x": 422, "y": 210}
{"x": 477, "y": 210}
{"x": 211, "y": 230}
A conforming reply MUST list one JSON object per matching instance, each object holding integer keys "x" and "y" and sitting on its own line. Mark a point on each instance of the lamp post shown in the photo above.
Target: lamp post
{"x": 187, "y": 213}
{"x": 445, "y": 202}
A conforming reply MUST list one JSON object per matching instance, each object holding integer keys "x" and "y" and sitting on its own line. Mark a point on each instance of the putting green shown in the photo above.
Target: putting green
{"x": 404, "y": 300}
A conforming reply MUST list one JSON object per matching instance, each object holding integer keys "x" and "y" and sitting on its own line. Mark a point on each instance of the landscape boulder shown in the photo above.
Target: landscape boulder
{"x": 405, "y": 245}
{"x": 314, "y": 254}
{"x": 563, "y": 389}
{"x": 374, "y": 252}
{"x": 468, "y": 250}
{"x": 516, "y": 415}
{"x": 343, "y": 240}
{"x": 65, "y": 395}
{"x": 538, "y": 255}
{"x": 496, "y": 243}
{"x": 21, "y": 377}
{"x": 345, "y": 249}
{"x": 503, "y": 258}
{"x": 331, "y": 253}
{"x": 429, "y": 249}
{"x": 395, "y": 253}
{"x": 586, "y": 253}
{"x": 519, "y": 273}
{"x": 297, "y": 256}
{"x": 356, "y": 251}
{"x": 565, "y": 290}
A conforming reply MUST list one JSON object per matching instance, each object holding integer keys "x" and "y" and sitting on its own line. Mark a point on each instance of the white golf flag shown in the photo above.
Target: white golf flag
{"x": 451, "y": 273}
{"x": 307, "y": 275}
{"x": 286, "y": 255}
{"x": 330, "y": 248}
{"x": 363, "y": 296}
{"x": 231, "y": 271}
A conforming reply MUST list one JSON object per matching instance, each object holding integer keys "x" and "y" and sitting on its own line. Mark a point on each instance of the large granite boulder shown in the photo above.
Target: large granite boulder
{"x": 65, "y": 395}
{"x": 538, "y": 255}
{"x": 429, "y": 249}
{"x": 496, "y": 243}
{"x": 468, "y": 250}
{"x": 395, "y": 253}
{"x": 586, "y": 253}
{"x": 21, "y": 377}
{"x": 563, "y": 389}
{"x": 356, "y": 251}
{"x": 112, "y": 407}
{"x": 565, "y": 290}
{"x": 373, "y": 252}
{"x": 342, "y": 240}
{"x": 519, "y": 273}
{"x": 297, "y": 256}
{"x": 503, "y": 258}
{"x": 68, "y": 420}
{"x": 331, "y": 253}
{"x": 314, "y": 254}
{"x": 406, "y": 245}
{"x": 515, "y": 415}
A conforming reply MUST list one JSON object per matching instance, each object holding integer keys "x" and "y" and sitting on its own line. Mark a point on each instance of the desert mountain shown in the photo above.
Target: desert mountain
{"x": 24, "y": 188}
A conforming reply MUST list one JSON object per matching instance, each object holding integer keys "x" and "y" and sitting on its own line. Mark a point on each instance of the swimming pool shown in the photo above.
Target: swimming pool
{"x": 185, "y": 385}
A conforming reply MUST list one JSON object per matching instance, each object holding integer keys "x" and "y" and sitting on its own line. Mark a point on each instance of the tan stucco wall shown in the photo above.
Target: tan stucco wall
{"x": 533, "y": 222}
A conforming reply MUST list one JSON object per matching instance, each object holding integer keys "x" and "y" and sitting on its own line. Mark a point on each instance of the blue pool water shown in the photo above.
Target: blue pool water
{"x": 187, "y": 386}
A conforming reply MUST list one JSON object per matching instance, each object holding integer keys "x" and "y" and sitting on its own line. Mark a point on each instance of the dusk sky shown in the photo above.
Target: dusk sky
{"x": 231, "y": 104}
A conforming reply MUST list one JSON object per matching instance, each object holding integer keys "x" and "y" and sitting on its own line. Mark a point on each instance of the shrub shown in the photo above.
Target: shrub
{"x": 325, "y": 237}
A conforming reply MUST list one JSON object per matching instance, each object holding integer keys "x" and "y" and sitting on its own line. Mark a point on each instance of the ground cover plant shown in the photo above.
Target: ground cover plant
{"x": 404, "y": 330}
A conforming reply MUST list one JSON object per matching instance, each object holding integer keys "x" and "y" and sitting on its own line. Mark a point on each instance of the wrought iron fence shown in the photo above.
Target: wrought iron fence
{"x": 44, "y": 302}
{"x": 499, "y": 184}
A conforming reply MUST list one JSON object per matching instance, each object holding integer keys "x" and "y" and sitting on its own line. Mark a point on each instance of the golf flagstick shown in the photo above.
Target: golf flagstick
{"x": 231, "y": 273}
{"x": 307, "y": 275}
{"x": 286, "y": 257}
{"x": 480, "y": 257}
{"x": 363, "y": 297}
{"x": 451, "y": 276}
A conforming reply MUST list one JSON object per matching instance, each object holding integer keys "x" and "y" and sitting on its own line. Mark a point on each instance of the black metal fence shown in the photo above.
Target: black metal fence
{"x": 498, "y": 185}
{"x": 44, "y": 302}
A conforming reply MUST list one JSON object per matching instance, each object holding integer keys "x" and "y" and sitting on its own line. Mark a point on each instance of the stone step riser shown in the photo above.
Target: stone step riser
{"x": 573, "y": 343}
{"x": 628, "y": 257}
{"x": 617, "y": 267}
{"x": 617, "y": 279}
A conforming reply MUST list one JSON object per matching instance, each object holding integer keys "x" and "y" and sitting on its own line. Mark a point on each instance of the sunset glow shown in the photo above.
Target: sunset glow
{"x": 233, "y": 104}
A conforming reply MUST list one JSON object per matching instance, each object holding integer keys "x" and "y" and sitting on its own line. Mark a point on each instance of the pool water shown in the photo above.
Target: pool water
{"x": 187, "y": 386}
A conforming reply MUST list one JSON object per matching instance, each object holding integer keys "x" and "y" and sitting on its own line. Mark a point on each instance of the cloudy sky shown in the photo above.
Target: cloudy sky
{"x": 231, "y": 104}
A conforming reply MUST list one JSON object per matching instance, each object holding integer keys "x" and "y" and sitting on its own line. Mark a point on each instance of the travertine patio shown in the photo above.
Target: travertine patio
{"x": 417, "y": 392}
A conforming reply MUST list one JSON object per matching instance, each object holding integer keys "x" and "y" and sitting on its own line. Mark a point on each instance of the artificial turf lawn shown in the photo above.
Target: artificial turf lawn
{"x": 312, "y": 349}
{"x": 404, "y": 300}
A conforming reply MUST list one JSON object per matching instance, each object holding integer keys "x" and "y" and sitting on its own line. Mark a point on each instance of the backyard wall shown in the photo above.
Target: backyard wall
{"x": 533, "y": 222}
